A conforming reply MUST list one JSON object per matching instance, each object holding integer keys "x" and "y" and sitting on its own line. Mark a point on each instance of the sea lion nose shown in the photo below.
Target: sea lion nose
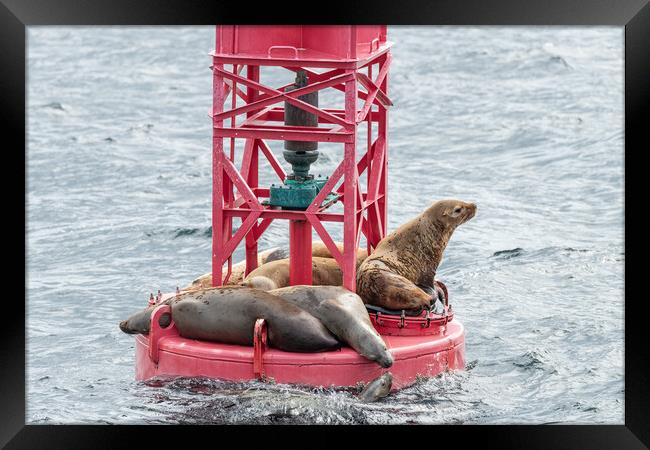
{"x": 123, "y": 326}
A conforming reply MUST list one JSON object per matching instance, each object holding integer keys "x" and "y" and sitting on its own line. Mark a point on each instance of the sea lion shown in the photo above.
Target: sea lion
{"x": 377, "y": 388}
{"x": 319, "y": 249}
{"x": 344, "y": 314}
{"x": 228, "y": 315}
{"x": 238, "y": 269}
{"x": 274, "y": 275}
{"x": 409, "y": 257}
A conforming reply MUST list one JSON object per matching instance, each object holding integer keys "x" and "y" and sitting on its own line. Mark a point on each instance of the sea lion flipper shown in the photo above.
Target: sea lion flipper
{"x": 398, "y": 292}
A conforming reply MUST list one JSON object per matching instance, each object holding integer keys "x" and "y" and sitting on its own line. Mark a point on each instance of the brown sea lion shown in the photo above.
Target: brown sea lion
{"x": 409, "y": 257}
{"x": 319, "y": 249}
{"x": 274, "y": 275}
{"x": 228, "y": 315}
{"x": 344, "y": 314}
{"x": 239, "y": 269}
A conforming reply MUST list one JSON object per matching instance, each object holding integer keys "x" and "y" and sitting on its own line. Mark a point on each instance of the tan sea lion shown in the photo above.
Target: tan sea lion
{"x": 344, "y": 314}
{"x": 239, "y": 269}
{"x": 228, "y": 314}
{"x": 274, "y": 275}
{"x": 409, "y": 257}
{"x": 319, "y": 249}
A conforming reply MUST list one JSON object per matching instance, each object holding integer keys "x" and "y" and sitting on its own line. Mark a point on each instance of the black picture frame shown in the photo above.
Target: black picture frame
{"x": 16, "y": 15}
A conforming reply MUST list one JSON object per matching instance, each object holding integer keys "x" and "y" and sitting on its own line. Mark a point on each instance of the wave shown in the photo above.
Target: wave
{"x": 534, "y": 360}
{"x": 54, "y": 105}
{"x": 508, "y": 254}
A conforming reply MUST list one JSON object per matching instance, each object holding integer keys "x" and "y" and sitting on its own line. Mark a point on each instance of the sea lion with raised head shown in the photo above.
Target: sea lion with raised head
{"x": 377, "y": 388}
{"x": 409, "y": 257}
{"x": 344, "y": 314}
{"x": 228, "y": 315}
{"x": 276, "y": 274}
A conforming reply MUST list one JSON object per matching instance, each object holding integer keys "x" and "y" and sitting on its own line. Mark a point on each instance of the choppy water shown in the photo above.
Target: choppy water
{"x": 527, "y": 122}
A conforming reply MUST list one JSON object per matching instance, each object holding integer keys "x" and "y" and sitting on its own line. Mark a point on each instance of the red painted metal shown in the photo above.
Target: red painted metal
{"x": 300, "y": 269}
{"x": 415, "y": 355}
{"x": 259, "y": 346}
{"x": 348, "y": 53}
{"x": 421, "y": 346}
{"x": 341, "y": 46}
{"x": 426, "y": 324}
{"x": 157, "y": 333}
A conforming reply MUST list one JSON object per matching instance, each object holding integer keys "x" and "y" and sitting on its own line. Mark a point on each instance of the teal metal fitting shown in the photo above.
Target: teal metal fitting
{"x": 298, "y": 194}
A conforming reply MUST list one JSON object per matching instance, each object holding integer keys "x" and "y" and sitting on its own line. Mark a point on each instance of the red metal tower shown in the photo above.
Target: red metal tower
{"x": 350, "y": 56}
{"x": 336, "y": 57}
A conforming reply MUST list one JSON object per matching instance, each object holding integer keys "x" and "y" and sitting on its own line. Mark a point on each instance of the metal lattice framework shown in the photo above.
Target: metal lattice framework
{"x": 236, "y": 191}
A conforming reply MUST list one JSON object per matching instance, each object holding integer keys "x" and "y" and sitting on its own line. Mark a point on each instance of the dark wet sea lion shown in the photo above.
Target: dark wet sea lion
{"x": 377, "y": 388}
{"x": 274, "y": 275}
{"x": 409, "y": 256}
{"x": 344, "y": 314}
{"x": 228, "y": 315}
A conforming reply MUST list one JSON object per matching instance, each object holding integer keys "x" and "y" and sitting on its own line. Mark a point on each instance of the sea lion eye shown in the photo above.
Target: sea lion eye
{"x": 455, "y": 212}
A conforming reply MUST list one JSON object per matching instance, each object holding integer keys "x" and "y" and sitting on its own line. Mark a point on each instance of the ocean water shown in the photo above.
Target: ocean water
{"x": 525, "y": 121}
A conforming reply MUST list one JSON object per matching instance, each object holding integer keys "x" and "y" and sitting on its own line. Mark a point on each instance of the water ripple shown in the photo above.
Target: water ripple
{"x": 525, "y": 121}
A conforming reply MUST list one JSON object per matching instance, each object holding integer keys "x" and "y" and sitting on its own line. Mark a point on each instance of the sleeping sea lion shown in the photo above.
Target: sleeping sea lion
{"x": 228, "y": 315}
{"x": 274, "y": 275}
{"x": 344, "y": 314}
{"x": 239, "y": 269}
{"x": 319, "y": 249}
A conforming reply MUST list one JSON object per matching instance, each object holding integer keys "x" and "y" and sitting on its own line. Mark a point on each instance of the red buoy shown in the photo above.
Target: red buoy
{"x": 435, "y": 349}
{"x": 345, "y": 58}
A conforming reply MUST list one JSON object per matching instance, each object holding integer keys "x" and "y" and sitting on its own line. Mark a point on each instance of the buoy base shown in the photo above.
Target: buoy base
{"x": 168, "y": 354}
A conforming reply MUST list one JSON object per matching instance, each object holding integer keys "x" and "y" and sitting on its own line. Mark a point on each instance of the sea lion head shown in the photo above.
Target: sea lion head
{"x": 376, "y": 350}
{"x": 376, "y": 389}
{"x": 450, "y": 212}
{"x": 138, "y": 323}
{"x": 260, "y": 282}
{"x": 385, "y": 359}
